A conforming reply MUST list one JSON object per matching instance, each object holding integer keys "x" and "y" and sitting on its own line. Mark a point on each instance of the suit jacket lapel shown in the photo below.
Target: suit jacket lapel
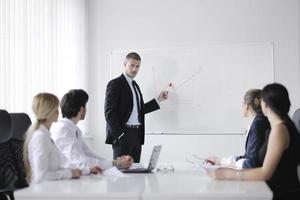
{"x": 249, "y": 132}
{"x": 127, "y": 86}
{"x": 247, "y": 140}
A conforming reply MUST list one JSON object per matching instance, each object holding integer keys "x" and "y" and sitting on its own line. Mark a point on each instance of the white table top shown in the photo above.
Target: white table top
{"x": 171, "y": 185}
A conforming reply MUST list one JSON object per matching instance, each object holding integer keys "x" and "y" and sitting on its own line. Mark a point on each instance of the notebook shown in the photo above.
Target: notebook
{"x": 152, "y": 162}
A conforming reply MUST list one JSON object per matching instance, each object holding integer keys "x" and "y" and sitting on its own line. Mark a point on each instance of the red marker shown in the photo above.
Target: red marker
{"x": 209, "y": 161}
{"x": 205, "y": 160}
{"x": 169, "y": 86}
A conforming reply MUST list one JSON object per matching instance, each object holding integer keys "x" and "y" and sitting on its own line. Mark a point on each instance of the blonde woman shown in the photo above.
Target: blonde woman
{"x": 42, "y": 159}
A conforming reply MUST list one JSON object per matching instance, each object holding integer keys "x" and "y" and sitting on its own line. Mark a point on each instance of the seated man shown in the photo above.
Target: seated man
{"x": 68, "y": 137}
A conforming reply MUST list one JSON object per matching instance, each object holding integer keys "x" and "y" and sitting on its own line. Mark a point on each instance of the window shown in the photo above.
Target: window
{"x": 42, "y": 49}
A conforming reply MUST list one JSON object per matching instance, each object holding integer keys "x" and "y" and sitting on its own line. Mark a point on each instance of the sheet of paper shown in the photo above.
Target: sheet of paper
{"x": 113, "y": 171}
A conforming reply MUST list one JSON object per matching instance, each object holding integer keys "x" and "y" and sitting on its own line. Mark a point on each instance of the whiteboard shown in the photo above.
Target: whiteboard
{"x": 209, "y": 85}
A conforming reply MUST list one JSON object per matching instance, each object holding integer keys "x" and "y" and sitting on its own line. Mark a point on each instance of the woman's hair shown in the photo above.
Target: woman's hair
{"x": 253, "y": 98}
{"x": 43, "y": 106}
{"x": 277, "y": 98}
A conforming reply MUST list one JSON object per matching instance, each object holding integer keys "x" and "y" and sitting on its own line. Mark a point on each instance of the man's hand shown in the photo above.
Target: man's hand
{"x": 96, "y": 170}
{"x": 76, "y": 173}
{"x": 124, "y": 162}
{"x": 165, "y": 93}
{"x": 163, "y": 96}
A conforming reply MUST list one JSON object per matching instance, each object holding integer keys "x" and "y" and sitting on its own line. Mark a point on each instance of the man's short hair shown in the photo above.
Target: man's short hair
{"x": 72, "y": 102}
{"x": 133, "y": 56}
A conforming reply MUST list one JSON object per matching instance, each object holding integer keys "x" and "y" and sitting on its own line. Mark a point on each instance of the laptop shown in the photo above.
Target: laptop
{"x": 152, "y": 162}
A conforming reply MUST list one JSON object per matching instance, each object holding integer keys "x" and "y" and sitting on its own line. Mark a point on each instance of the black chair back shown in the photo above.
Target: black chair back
{"x": 296, "y": 119}
{"x": 5, "y": 126}
{"x": 20, "y": 124}
{"x": 8, "y": 173}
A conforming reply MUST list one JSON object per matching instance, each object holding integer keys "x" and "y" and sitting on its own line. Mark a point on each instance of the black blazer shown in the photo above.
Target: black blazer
{"x": 255, "y": 140}
{"x": 118, "y": 107}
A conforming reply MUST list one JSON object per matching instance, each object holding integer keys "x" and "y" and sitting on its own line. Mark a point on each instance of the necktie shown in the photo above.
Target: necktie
{"x": 135, "y": 86}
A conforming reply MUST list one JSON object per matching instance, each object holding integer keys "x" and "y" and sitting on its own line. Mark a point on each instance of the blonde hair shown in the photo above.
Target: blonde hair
{"x": 43, "y": 106}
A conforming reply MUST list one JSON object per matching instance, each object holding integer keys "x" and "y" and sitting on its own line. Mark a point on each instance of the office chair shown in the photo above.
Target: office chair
{"x": 20, "y": 124}
{"x": 5, "y": 126}
{"x": 296, "y": 119}
{"x": 8, "y": 176}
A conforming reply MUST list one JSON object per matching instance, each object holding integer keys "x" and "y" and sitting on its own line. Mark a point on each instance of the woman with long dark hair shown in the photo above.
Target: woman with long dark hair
{"x": 279, "y": 168}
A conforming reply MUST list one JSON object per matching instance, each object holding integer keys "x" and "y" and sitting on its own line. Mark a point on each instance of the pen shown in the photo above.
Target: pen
{"x": 209, "y": 161}
{"x": 205, "y": 160}
{"x": 120, "y": 136}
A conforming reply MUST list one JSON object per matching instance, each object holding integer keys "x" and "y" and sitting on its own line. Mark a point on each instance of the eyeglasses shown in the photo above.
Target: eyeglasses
{"x": 164, "y": 168}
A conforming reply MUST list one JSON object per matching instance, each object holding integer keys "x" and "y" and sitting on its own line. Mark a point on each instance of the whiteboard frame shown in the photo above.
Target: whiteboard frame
{"x": 187, "y": 47}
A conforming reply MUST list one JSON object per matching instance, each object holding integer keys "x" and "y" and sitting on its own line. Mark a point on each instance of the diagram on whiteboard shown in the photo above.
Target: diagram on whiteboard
{"x": 208, "y": 84}
{"x": 188, "y": 79}
{"x": 174, "y": 87}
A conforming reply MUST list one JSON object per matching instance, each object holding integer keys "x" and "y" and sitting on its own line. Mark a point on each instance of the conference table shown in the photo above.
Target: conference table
{"x": 187, "y": 184}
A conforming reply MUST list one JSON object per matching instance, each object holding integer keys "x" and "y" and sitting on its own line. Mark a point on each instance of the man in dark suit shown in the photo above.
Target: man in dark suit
{"x": 125, "y": 111}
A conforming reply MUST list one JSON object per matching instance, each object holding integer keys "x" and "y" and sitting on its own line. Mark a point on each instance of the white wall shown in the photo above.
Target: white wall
{"x": 138, "y": 24}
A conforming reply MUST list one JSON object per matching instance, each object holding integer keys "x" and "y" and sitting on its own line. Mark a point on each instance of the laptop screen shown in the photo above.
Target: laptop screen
{"x": 154, "y": 157}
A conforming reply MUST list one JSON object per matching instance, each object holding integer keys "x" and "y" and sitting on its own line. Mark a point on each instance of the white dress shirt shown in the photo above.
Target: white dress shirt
{"x": 133, "y": 119}
{"x": 68, "y": 138}
{"x": 45, "y": 160}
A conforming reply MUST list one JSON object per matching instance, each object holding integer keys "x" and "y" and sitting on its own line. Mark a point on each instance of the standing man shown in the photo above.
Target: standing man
{"x": 68, "y": 137}
{"x": 125, "y": 111}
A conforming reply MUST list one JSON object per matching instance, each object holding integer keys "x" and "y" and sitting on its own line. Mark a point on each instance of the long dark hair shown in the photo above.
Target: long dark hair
{"x": 277, "y": 98}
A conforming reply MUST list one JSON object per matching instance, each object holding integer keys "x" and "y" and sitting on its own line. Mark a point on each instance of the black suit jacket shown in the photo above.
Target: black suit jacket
{"x": 255, "y": 140}
{"x": 118, "y": 107}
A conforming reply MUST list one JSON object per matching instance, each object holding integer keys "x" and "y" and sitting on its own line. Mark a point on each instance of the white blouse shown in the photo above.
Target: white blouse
{"x": 45, "y": 159}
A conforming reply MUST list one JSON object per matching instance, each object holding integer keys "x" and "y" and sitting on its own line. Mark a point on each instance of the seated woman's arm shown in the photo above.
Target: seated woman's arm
{"x": 278, "y": 142}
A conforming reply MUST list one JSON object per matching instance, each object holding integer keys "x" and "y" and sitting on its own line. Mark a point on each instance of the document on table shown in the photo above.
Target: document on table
{"x": 113, "y": 171}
